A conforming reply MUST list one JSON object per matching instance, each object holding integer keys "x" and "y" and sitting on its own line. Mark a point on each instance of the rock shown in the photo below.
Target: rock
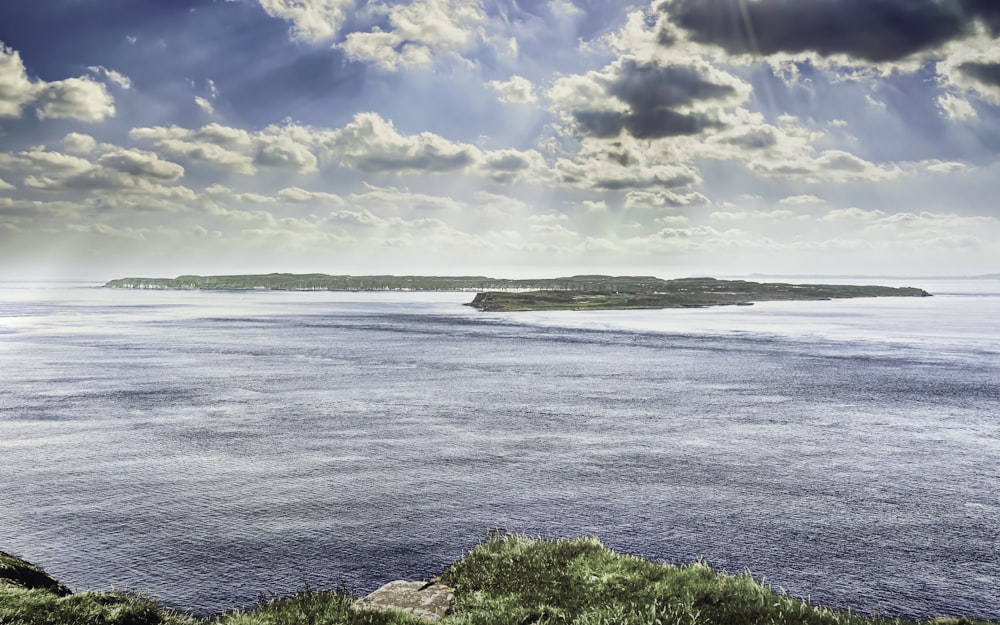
{"x": 427, "y": 600}
{"x": 26, "y": 575}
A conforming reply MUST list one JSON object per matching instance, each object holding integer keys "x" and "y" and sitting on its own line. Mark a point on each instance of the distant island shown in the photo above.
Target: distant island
{"x": 585, "y": 292}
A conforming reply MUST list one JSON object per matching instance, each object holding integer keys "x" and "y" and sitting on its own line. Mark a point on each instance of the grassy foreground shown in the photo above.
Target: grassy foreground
{"x": 506, "y": 580}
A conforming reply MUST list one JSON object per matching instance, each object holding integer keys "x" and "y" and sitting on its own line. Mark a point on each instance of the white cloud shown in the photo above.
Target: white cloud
{"x": 6, "y": 186}
{"x": 801, "y": 200}
{"x": 111, "y": 75}
{"x": 312, "y": 20}
{"x": 79, "y": 143}
{"x": 852, "y": 214}
{"x": 15, "y": 88}
{"x": 283, "y": 151}
{"x": 141, "y": 163}
{"x": 301, "y": 196}
{"x": 235, "y": 149}
{"x": 209, "y": 153}
{"x": 663, "y": 199}
{"x": 517, "y": 90}
{"x": 75, "y": 98}
{"x": 671, "y": 221}
{"x": 117, "y": 176}
{"x": 956, "y": 108}
{"x": 419, "y": 32}
{"x": 372, "y": 144}
{"x": 204, "y": 104}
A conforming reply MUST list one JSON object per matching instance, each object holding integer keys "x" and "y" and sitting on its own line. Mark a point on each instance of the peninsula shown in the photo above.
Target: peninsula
{"x": 584, "y": 292}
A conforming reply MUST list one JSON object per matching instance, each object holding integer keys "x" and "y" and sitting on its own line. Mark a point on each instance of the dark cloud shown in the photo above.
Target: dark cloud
{"x": 600, "y": 124}
{"x": 647, "y": 87}
{"x": 648, "y": 124}
{"x": 873, "y": 30}
{"x": 659, "y": 123}
{"x": 987, "y": 10}
{"x": 653, "y": 92}
{"x": 988, "y": 73}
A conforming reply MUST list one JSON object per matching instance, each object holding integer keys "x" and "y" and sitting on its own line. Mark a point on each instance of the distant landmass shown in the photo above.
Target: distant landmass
{"x": 586, "y": 292}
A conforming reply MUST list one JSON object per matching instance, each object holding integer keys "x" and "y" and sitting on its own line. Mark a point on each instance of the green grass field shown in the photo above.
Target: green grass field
{"x": 505, "y": 580}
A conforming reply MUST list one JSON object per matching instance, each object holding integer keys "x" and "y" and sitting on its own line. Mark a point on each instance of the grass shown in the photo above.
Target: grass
{"x": 505, "y": 580}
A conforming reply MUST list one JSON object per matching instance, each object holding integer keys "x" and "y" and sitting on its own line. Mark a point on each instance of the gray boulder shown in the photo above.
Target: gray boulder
{"x": 426, "y": 600}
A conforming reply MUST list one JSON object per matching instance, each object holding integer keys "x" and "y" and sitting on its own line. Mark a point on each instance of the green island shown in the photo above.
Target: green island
{"x": 585, "y": 292}
{"x": 506, "y": 579}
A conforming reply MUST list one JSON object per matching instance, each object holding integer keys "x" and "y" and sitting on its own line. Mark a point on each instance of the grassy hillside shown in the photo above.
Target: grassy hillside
{"x": 506, "y": 580}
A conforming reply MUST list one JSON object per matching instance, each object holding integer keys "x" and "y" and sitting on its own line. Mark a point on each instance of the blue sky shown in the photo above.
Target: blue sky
{"x": 499, "y": 137}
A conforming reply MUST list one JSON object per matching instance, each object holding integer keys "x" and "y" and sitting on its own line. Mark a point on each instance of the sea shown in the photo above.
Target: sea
{"x": 212, "y": 449}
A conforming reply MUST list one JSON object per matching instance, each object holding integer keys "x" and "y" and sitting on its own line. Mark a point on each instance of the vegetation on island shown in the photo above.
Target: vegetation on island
{"x": 324, "y": 282}
{"x": 507, "y": 579}
{"x": 682, "y": 293}
{"x": 588, "y": 292}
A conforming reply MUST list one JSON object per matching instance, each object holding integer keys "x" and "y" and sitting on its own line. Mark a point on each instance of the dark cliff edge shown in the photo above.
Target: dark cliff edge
{"x": 17, "y": 572}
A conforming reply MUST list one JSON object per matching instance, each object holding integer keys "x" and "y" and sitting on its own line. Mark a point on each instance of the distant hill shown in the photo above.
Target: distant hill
{"x": 586, "y": 292}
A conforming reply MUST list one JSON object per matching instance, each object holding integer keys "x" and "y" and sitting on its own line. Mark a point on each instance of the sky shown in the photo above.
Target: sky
{"x": 509, "y": 138}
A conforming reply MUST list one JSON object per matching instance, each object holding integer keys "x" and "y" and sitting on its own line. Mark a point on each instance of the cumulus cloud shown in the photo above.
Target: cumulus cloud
{"x": 663, "y": 199}
{"x": 372, "y": 144}
{"x": 235, "y": 149}
{"x": 301, "y": 196}
{"x": 141, "y": 163}
{"x": 16, "y": 89}
{"x": 115, "y": 173}
{"x": 283, "y": 151}
{"x": 517, "y": 90}
{"x": 73, "y": 98}
{"x": 418, "y": 32}
{"x": 6, "y": 186}
{"x": 312, "y": 20}
{"x": 852, "y": 214}
{"x": 801, "y": 200}
{"x": 595, "y": 171}
{"x": 509, "y": 165}
{"x": 79, "y": 143}
{"x": 835, "y": 166}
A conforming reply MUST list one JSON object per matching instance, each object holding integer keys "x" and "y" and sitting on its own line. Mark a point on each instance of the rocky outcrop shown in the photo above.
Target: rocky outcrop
{"x": 427, "y": 600}
{"x": 17, "y": 572}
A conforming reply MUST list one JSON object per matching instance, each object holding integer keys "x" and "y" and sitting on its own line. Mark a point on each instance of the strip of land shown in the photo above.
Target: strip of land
{"x": 683, "y": 293}
{"x": 506, "y": 579}
{"x": 585, "y": 292}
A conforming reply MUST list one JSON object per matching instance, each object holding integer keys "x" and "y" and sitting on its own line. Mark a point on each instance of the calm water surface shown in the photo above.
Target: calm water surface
{"x": 208, "y": 447}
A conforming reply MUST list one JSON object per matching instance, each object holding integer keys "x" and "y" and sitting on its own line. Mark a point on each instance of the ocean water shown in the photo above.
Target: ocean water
{"x": 208, "y": 448}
